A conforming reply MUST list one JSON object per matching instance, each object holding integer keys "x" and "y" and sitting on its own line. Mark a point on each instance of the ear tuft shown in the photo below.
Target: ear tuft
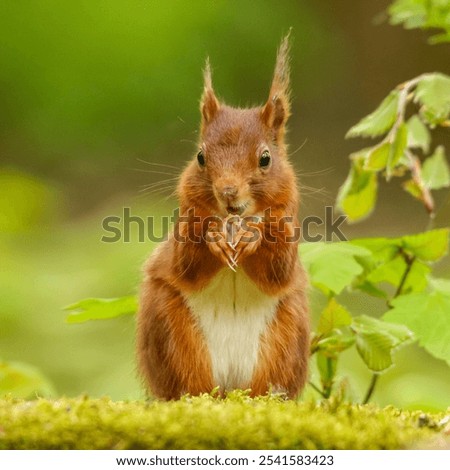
{"x": 276, "y": 111}
{"x": 209, "y": 103}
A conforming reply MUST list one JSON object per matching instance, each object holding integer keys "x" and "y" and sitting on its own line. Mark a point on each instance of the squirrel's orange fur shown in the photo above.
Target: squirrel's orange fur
{"x": 179, "y": 349}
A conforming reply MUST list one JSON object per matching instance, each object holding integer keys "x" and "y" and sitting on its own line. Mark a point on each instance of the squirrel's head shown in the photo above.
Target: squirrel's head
{"x": 241, "y": 166}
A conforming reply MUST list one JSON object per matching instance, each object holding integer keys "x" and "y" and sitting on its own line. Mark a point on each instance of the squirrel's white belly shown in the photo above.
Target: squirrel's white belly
{"x": 232, "y": 314}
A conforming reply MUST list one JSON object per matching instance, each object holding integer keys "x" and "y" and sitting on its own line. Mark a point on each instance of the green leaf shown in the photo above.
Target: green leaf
{"x": 427, "y": 246}
{"x": 441, "y": 285}
{"x": 378, "y": 122}
{"x": 334, "y": 316}
{"x": 388, "y": 265}
{"x": 423, "y": 14}
{"x": 393, "y": 271}
{"x": 376, "y": 339}
{"x": 327, "y": 367}
{"x": 412, "y": 13}
{"x": 427, "y": 315}
{"x": 372, "y": 158}
{"x": 413, "y": 188}
{"x": 333, "y": 345}
{"x": 23, "y": 381}
{"x": 370, "y": 289}
{"x": 435, "y": 171}
{"x": 382, "y": 249}
{"x": 397, "y": 148}
{"x": 357, "y": 196}
{"x": 433, "y": 93}
{"x": 332, "y": 266}
{"x": 101, "y": 309}
{"x": 418, "y": 134}
{"x": 377, "y": 157}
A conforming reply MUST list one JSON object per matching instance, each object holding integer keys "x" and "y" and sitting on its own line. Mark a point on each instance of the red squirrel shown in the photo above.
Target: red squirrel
{"x": 223, "y": 302}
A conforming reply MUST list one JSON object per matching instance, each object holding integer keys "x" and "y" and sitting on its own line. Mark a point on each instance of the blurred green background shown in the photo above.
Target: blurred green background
{"x": 91, "y": 89}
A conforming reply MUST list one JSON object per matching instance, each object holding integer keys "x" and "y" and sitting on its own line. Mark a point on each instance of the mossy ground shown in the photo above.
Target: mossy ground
{"x": 237, "y": 422}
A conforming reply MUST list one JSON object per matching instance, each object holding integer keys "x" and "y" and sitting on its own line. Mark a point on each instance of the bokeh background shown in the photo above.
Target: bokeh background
{"x": 91, "y": 90}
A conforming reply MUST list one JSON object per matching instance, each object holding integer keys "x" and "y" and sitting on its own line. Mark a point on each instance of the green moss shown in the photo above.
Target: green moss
{"x": 237, "y": 422}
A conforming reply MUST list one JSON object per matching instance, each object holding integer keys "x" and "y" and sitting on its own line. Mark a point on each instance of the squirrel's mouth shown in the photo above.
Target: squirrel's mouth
{"x": 237, "y": 210}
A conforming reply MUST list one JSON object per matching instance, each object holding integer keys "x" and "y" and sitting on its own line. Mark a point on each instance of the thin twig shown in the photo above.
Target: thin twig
{"x": 409, "y": 260}
{"x": 371, "y": 388}
{"x": 416, "y": 172}
{"x": 317, "y": 389}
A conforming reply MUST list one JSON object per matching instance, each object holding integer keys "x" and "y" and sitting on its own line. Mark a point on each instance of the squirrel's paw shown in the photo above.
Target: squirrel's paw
{"x": 219, "y": 245}
{"x": 248, "y": 241}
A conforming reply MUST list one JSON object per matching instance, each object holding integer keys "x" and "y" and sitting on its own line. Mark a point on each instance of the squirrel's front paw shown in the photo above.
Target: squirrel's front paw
{"x": 249, "y": 239}
{"x": 218, "y": 241}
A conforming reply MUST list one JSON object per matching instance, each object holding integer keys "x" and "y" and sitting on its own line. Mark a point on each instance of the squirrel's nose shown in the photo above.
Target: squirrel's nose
{"x": 229, "y": 192}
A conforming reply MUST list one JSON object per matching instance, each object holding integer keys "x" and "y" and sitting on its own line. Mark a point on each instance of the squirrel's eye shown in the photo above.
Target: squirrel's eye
{"x": 201, "y": 158}
{"x": 264, "y": 160}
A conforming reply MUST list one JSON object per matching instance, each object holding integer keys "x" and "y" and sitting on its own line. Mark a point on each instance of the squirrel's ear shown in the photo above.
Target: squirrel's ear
{"x": 209, "y": 103}
{"x": 276, "y": 111}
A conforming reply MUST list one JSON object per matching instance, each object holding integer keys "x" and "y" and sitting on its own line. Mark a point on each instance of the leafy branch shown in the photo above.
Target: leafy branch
{"x": 396, "y": 154}
{"x": 409, "y": 260}
{"x": 424, "y": 14}
{"x": 375, "y": 266}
